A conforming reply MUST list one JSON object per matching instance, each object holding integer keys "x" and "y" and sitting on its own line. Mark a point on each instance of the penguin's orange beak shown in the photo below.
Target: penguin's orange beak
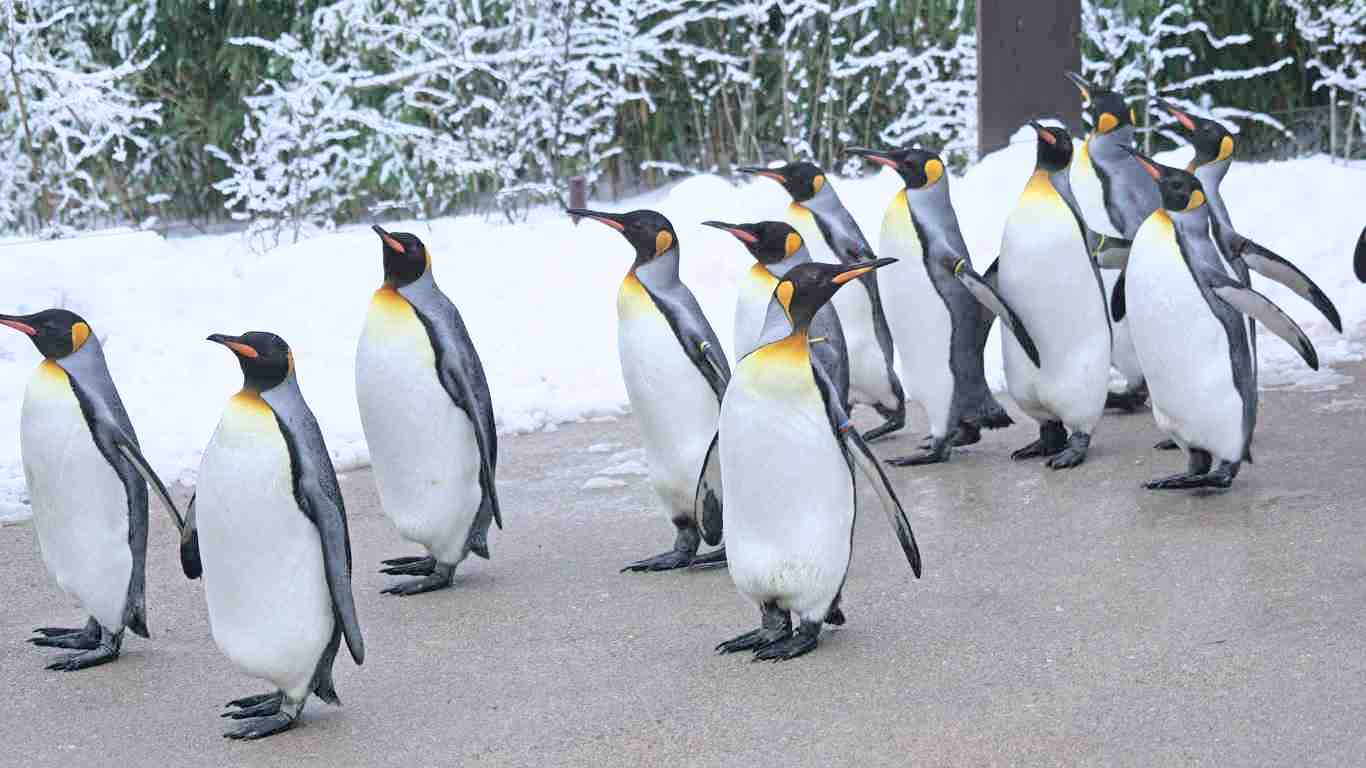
{"x": 850, "y": 274}
{"x": 765, "y": 172}
{"x": 1044, "y": 134}
{"x": 238, "y": 348}
{"x": 1181, "y": 117}
{"x": 599, "y": 216}
{"x": 19, "y": 326}
{"x": 1148, "y": 165}
{"x": 740, "y": 234}
{"x": 873, "y": 155}
{"x": 388, "y": 239}
{"x": 1081, "y": 84}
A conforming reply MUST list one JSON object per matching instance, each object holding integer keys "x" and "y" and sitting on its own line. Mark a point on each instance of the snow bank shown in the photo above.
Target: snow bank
{"x": 538, "y": 296}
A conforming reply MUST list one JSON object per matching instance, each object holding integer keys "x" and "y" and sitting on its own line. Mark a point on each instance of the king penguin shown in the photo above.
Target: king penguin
{"x": 934, "y": 294}
{"x": 427, "y": 415}
{"x": 676, "y": 373}
{"x": 1046, "y": 273}
{"x": 1187, "y": 315}
{"x": 1115, "y": 196}
{"x": 788, "y": 452}
{"x": 833, "y": 237}
{"x": 267, "y": 530}
{"x": 87, "y": 479}
{"x": 777, "y": 248}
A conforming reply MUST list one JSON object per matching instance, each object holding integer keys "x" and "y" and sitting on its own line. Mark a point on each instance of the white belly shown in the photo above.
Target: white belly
{"x": 1090, "y": 195}
{"x": 425, "y": 457}
{"x": 1182, "y": 346}
{"x": 80, "y": 508}
{"x": 673, "y": 403}
{"x": 1122, "y": 355}
{"x": 1047, "y": 278}
{"x": 788, "y": 496}
{"x": 269, "y": 606}
{"x": 868, "y": 380}
{"x": 920, "y": 322}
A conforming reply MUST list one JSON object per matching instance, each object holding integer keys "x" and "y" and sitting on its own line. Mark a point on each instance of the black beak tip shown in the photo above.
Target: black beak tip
{"x": 378, "y": 230}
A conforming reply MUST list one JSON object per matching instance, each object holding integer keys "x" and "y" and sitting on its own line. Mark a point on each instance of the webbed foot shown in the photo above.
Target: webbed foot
{"x": 440, "y": 578}
{"x": 1074, "y": 454}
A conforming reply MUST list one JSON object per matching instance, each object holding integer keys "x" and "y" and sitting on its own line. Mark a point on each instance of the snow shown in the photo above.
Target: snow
{"x": 539, "y": 299}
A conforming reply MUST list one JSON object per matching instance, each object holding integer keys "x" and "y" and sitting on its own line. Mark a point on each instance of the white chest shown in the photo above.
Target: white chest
{"x": 751, "y": 307}
{"x": 1090, "y": 194}
{"x": 80, "y": 507}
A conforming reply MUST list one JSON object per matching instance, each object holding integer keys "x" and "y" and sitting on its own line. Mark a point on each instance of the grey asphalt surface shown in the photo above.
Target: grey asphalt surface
{"x": 1064, "y": 619}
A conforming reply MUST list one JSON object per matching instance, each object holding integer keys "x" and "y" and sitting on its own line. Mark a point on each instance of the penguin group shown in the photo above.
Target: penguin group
{"x": 1109, "y": 260}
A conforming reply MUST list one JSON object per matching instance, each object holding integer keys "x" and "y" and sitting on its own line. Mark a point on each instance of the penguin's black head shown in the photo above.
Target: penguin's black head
{"x": 769, "y": 242}
{"x": 265, "y": 358}
{"x": 647, "y": 231}
{"x": 1055, "y": 147}
{"x": 55, "y": 332}
{"x": 1212, "y": 141}
{"x": 405, "y": 257}
{"x": 802, "y": 180}
{"x": 919, "y": 168}
{"x": 807, "y": 287}
{"x": 1181, "y": 191}
{"x": 1108, "y": 109}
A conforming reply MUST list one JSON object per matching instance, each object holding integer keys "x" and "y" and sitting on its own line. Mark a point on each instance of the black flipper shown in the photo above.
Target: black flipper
{"x": 1260, "y": 308}
{"x": 1265, "y": 262}
{"x": 1359, "y": 258}
{"x": 140, "y": 463}
{"x": 989, "y": 298}
{"x": 480, "y": 412}
{"x": 707, "y": 502}
{"x": 1117, "y": 307}
{"x": 189, "y": 545}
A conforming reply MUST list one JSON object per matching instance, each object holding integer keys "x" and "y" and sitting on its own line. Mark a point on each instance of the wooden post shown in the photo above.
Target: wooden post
{"x": 578, "y": 193}
{"x": 1022, "y": 50}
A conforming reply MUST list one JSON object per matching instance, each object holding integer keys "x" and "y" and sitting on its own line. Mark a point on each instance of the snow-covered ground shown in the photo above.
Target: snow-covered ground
{"x": 539, "y": 298}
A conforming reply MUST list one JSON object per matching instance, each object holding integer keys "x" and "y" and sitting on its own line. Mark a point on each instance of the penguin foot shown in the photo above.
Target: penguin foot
{"x": 440, "y": 578}
{"x": 835, "y": 617}
{"x": 895, "y": 421}
{"x": 93, "y": 658}
{"x": 83, "y": 639}
{"x": 713, "y": 559}
{"x": 1052, "y": 441}
{"x": 1167, "y": 445}
{"x": 1185, "y": 481}
{"x": 409, "y": 566}
{"x": 251, "y": 701}
{"x": 1128, "y": 402}
{"x": 262, "y": 727}
{"x": 801, "y": 643}
{"x": 1074, "y": 454}
{"x": 967, "y": 434}
{"x": 263, "y": 708}
{"x": 937, "y": 453}
{"x": 775, "y": 626}
{"x": 666, "y": 561}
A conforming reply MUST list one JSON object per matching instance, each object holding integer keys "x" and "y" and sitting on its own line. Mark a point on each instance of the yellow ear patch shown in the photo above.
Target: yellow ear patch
{"x": 817, "y": 183}
{"x": 1133, "y": 118}
{"x": 663, "y": 241}
{"x": 784, "y": 293}
{"x": 1197, "y": 200}
{"x": 79, "y": 333}
{"x": 1107, "y": 123}
{"x": 1225, "y": 148}
{"x": 793, "y": 243}
{"x": 934, "y": 170}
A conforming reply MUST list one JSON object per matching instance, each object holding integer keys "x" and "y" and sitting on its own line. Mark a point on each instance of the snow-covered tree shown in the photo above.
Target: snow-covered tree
{"x": 74, "y": 136}
{"x": 1336, "y": 31}
{"x": 1144, "y": 59}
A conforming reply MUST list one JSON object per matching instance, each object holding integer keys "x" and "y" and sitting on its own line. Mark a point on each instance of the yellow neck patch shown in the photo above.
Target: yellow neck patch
{"x": 663, "y": 241}
{"x": 792, "y": 244}
{"x": 79, "y": 333}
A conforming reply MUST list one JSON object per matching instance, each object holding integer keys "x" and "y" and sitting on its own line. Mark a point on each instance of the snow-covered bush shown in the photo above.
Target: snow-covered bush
{"x": 1336, "y": 32}
{"x": 74, "y": 135}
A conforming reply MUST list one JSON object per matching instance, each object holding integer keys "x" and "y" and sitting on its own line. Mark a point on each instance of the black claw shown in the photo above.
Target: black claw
{"x": 251, "y": 701}
{"x": 85, "y": 660}
{"x": 405, "y": 560}
{"x": 1074, "y": 454}
{"x": 797, "y": 645}
{"x": 419, "y": 566}
{"x": 1167, "y": 445}
{"x": 666, "y": 561}
{"x": 714, "y": 559}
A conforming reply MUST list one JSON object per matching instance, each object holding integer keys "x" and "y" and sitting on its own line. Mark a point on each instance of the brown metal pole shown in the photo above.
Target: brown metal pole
{"x": 1023, "y": 47}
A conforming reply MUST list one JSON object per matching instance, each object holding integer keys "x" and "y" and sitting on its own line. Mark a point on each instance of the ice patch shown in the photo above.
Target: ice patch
{"x": 601, "y": 483}
{"x": 603, "y": 447}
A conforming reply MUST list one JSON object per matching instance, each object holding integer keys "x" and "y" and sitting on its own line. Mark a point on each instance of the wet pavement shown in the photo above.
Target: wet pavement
{"x": 1065, "y": 618}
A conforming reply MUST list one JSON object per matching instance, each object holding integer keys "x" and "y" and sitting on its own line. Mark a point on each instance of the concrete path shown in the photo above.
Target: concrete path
{"x": 1064, "y": 619}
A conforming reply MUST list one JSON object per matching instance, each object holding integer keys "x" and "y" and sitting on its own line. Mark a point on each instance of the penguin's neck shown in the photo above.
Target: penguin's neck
{"x": 781, "y": 268}
{"x": 932, "y": 213}
{"x": 659, "y": 272}
{"x": 825, "y": 203}
{"x": 1211, "y": 175}
{"x": 777, "y": 325}
{"x": 1108, "y": 148}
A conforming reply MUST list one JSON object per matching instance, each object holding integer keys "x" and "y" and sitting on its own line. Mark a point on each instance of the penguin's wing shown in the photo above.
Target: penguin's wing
{"x": 320, "y": 500}
{"x": 1265, "y": 262}
{"x": 1359, "y": 258}
{"x": 139, "y": 462}
{"x": 857, "y": 452}
{"x": 707, "y": 501}
{"x": 1109, "y": 252}
{"x": 189, "y": 545}
{"x": 679, "y": 306}
{"x": 461, "y": 374}
{"x": 1261, "y": 309}
{"x": 1117, "y": 305}
{"x": 989, "y": 298}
